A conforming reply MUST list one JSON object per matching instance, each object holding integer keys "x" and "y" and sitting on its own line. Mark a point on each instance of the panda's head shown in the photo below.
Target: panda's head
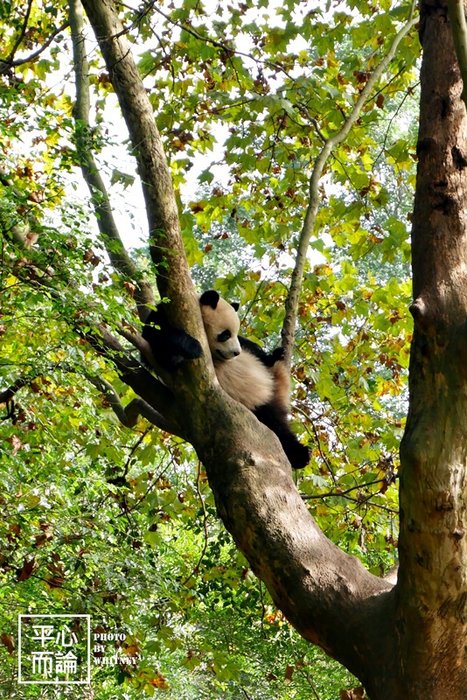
{"x": 221, "y": 324}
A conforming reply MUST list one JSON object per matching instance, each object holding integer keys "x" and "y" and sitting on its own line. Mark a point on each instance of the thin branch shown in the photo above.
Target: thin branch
{"x": 133, "y": 450}
{"x": 310, "y": 681}
{"x": 35, "y": 54}
{"x": 10, "y": 62}
{"x": 99, "y": 196}
{"x": 219, "y": 44}
{"x": 139, "y": 343}
{"x": 22, "y": 33}
{"x": 408, "y": 93}
{"x": 291, "y": 306}
{"x": 8, "y": 394}
{"x": 205, "y": 529}
{"x": 342, "y": 494}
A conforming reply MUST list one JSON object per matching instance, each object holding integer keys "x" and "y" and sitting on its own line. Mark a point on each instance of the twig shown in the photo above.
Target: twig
{"x": 128, "y": 415}
{"x": 219, "y": 44}
{"x": 205, "y": 528}
{"x": 22, "y": 33}
{"x": 338, "y": 494}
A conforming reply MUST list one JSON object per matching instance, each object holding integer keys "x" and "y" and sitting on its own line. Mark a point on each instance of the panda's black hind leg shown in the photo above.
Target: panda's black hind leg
{"x": 298, "y": 454}
{"x": 275, "y": 419}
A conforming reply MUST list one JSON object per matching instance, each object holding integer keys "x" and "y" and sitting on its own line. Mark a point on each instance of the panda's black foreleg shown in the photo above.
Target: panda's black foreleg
{"x": 267, "y": 359}
{"x": 276, "y": 420}
{"x": 170, "y": 345}
{"x": 179, "y": 347}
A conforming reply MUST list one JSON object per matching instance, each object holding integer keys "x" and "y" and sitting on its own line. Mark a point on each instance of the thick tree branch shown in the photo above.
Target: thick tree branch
{"x": 456, "y": 9}
{"x": 99, "y": 196}
{"x": 128, "y": 415}
{"x": 291, "y": 306}
{"x": 328, "y": 596}
{"x": 166, "y": 246}
{"x": 161, "y": 408}
{"x": 157, "y": 401}
{"x": 432, "y": 585}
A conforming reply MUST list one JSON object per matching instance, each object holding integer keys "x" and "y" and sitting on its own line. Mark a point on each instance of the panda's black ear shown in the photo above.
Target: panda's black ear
{"x": 235, "y": 305}
{"x": 209, "y": 298}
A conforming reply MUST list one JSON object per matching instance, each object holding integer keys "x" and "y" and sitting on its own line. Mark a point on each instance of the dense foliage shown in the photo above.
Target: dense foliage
{"x": 118, "y": 522}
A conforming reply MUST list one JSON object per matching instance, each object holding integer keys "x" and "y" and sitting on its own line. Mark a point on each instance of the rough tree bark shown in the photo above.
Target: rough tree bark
{"x": 432, "y": 589}
{"x": 403, "y": 642}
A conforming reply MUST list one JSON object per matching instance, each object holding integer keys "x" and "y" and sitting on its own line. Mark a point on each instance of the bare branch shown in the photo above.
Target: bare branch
{"x": 291, "y": 307}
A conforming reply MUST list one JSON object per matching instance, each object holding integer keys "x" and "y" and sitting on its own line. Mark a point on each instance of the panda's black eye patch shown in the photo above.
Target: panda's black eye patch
{"x": 225, "y": 335}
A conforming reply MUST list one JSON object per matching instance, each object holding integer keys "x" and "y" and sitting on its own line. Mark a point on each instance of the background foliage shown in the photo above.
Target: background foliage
{"x": 120, "y": 523}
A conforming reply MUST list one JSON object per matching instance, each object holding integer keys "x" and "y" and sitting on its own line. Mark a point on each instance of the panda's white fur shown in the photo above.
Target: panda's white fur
{"x": 246, "y": 380}
{"x": 242, "y": 375}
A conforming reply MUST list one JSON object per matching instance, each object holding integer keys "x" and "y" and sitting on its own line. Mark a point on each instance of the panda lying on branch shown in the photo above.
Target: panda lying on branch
{"x": 256, "y": 379}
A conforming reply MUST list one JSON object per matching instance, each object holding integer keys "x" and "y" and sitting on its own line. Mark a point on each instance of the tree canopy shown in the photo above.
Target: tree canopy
{"x": 154, "y": 150}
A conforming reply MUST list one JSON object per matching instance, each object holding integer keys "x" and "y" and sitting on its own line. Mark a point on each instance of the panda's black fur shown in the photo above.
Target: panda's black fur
{"x": 170, "y": 345}
{"x": 245, "y": 371}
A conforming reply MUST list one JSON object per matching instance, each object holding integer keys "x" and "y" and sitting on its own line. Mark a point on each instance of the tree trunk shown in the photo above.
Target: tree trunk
{"x": 432, "y": 589}
{"x": 407, "y": 642}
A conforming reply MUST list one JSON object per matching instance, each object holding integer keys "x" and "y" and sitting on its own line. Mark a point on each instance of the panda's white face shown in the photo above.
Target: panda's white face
{"x": 225, "y": 345}
{"x": 222, "y": 325}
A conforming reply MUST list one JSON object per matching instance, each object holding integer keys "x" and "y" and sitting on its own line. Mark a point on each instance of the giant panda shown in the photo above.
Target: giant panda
{"x": 247, "y": 373}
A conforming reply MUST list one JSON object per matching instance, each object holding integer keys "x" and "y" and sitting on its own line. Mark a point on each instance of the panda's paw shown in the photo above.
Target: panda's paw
{"x": 277, "y": 355}
{"x": 192, "y": 350}
{"x": 187, "y": 346}
{"x": 299, "y": 456}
